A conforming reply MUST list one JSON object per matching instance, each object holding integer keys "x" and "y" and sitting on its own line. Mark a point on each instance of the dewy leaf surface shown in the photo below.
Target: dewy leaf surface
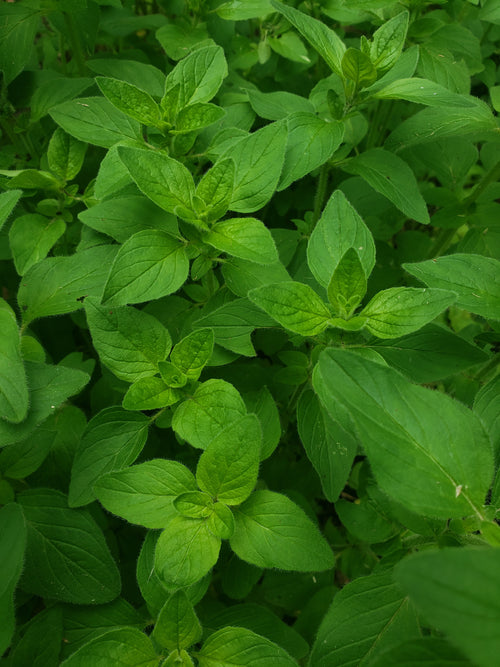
{"x": 418, "y": 441}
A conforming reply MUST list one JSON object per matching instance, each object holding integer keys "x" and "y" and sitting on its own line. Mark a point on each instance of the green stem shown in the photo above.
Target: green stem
{"x": 76, "y": 45}
{"x": 483, "y": 374}
{"x": 491, "y": 176}
{"x": 319, "y": 197}
{"x": 442, "y": 242}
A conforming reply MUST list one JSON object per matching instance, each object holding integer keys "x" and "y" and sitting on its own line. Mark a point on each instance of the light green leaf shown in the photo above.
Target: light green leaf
{"x": 129, "y": 341}
{"x": 262, "y": 404}
{"x": 338, "y": 229}
{"x": 12, "y": 546}
{"x": 239, "y": 646}
{"x": 215, "y": 405}
{"x": 13, "y": 383}
{"x": 171, "y": 375}
{"x": 8, "y": 201}
{"x": 130, "y": 99}
{"x": 388, "y": 41}
{"x": 456, "y": 591}
{"x": 236, "y": 10}
{"x": 398, "y": 311}
{"x": 31, "y": 237}
{"x": 326, "y": 42}
{"x": 194, "y": 504}
{"x": 246, "y": 238}
{"x": 347, "y": 286}
{"x": 358, "y": 67}
{"x": 167, "y": 182}
{"x": 272, "y": 531}
{"x": 127, "y": 647}
{"x": 197, "y": 116}
{"x": 149, "y": 265}
{"x": 199, "y": 75}
{"x": 192, "y": 353}
{"x": 150, "y": 393}
{"x": 290, "y": 46}
{"x": 221, "y": 521}
{"x": 144, "y": 494}
{"x": 258, "y": 160}
{"x": 278, "y": 104}
{"x": 112, "y": 440}
{"x": 423, "y": 91}
{"x": 475, "y": 278}
{"x": 406, "y": 433}
{"x": 387, "y": 619}
{"x": 177, "y": 626}
{"x": 294, "y": 305}
{"x": 65, "y": 155}
{"x": 67, "y": 558}
{"x": 95, "y": 121}
{"x": 242, "y": 276}
{"x": 180, "y": 38}
{"x": 56, "y": 285}
{"x": 18, "y": 26}
{"x": 393, "y": 178}
{"x": 311, "y": 142}
{"x": 216, "y": 188}
{"x": 185, "y": 552}
{"x": 228, "y": 468}
{"x": 139, "y": 74}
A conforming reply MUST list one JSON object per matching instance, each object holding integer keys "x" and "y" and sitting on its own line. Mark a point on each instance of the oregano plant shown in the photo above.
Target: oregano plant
{"x": 249, "y": 325}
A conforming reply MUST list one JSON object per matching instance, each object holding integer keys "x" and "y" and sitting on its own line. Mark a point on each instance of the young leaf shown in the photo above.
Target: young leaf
{"x": 197, "y": 116}
{"x": 228, "y": 468}
{"x": 95, "y": 121}
{"x": 167, "y": 182}
{"x": 338, "y": 229}
{"x": 347, "y": 286}
{"x": 393, "y": 178}
{"x": 455, "y": 589}
{"x": 398, "y": 311}
{"x": 144, "y": 494}
{"x": 177, "y": 626}
{"x": 185, "y": 552}
{"x": 193, "y": 352}
{"x": 151, "y": 264}
{"x": 12, "y": 546}
{"x": 329, "y": 46}
{"x": 129, "y": 99}
{"x": 112, "y": 440}
{"x": 13, "y": 383}
{"x": 221, "y": 521}
{"x": 129, "y": 342}
{"x": 272, "y": 531}
{"x": 194, "y": 504}
{"x": 239, "y": 646}
{"x": 388, "y": 41}
{"x": 475, "y": 279}
{"x": 406, "y": 433}
{"x": 171, "y": 375}
{"x": 294, "y": 305}
{"x": 214, "y": 406}
{"x": 65, "y": 155}
{"x": 150, "y": 393}
{"x": 388, "y": 619}
{"x": 67, "y": 558}
{"x": 246, "y": 238}
{"x": 121, "y": 646}
{"x": 358, "y": 67}
{"x": 216, "y": 188}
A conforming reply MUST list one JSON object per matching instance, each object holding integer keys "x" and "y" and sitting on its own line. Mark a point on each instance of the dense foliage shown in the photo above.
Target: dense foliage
{"x": 249, "y": 259}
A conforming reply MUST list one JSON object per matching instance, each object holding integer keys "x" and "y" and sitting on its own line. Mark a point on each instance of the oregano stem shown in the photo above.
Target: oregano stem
{"x": 319, "y": 197}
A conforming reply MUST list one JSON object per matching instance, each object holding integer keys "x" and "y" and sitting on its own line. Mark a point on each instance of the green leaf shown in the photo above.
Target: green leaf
{"x": 18, "y": 27}
{"x": 338, "y": 229}
{"x": 8, "y": 201}
{"x": 311, "y": 142}
{"x": 127, "y": 647}
{"x": 139, "y": 74}
{"x": 177, "y": 626}
{"x": 48, "y": 387}
{"x": 199, "y": 75}
{"x": 171, "y": 375}
{"x": 406, "y": 433}
{"x": 216, "y": 189}
{"x": 246, "y": 238}
{"x": 290, "y": 46}
{"x": 398, "y": 311}
{"x": 272, "y": 531}
{"x": 388, "y": 41}
{"x": 179, "y": 39}
{"x": 129, "y": 342}
{"x": 423, "y": 91}
{"x": 40, "y": 644}
{"x": 95, "y": 120}
{"x": 55, "y": 285}
{"x": 130, "y": 99}
{"x": 324, "y": 40}
{"x": 54, "y": 91}
{"x": 228, "y": 468}
{"x": 329, "y": 446}
{"x": 294, "y": 305}
{"x": 221, "y": 521}
{"x": 455, "y": 589}
{"x": 476, "y": 280}
{"x": 235, "y": 10}
{"x": 262, "y": 404}
{"x": 423, "y": 651}
{"x": 239, "y": 646}
{"x": 487, "y": 408}
{"x": 215, "y": 405}
{"x": 112, "y": 440}
{"x": 358, "y": 67}
{"x": 165, "y": 181}
{"x": 347, "y": 286}
{"x": 393, "y": 178}
{"x": 149, "y": 265}
{"x": 13, "y": 384}
{"x": 197, "y": 116}
{"x": 31, "y": 237}
{"x": 192, "y": 353}
{"x": 242, "y": 276}
{"x": 387, "y": 619}
{"x": 278, "y": 104}
{"x": 144, "y": 494}
{"x": 12, "y": 546}
{"x": 150, "y": 393}
{"x": 258, "y": 159}
{"x": 185, "y": 552}
{"x": 67, "y": 558}
{"x": 194, "y": 504}
{"x": 65, "y": 155}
